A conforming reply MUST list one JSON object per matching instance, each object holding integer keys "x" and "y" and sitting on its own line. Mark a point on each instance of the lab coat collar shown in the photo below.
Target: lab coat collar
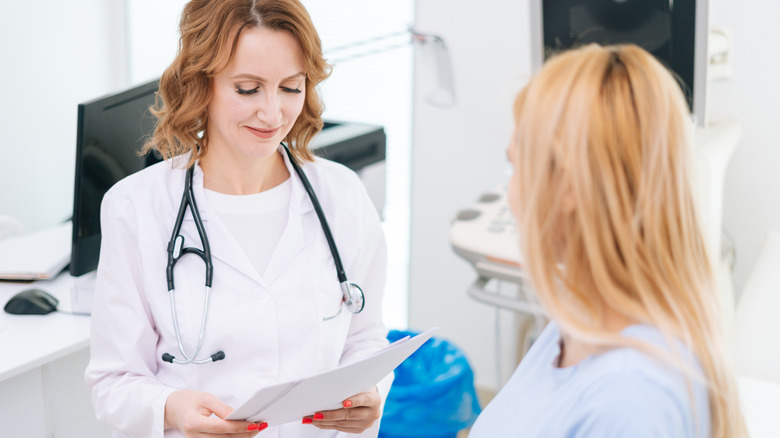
{"x": 292, "y": 241}
{"x": 224, "y": 245}
{"x": 299, "y": 199}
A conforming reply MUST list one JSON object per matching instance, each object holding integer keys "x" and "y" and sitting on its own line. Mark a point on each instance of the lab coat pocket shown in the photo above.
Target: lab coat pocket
{"x": 334, "y": 321}
{"x": 330, "y": 301}
{"x": 326, "y": 308}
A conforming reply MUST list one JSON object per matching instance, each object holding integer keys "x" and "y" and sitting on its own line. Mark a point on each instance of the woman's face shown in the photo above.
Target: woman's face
{"x": 257, "y": 98}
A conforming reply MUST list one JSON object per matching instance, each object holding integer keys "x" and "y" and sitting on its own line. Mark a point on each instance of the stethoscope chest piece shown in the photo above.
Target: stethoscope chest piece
{"x": 354, "y": 300}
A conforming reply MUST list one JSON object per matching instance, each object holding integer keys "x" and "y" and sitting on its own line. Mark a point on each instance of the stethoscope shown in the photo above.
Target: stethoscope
{"x": 353, "y": 297}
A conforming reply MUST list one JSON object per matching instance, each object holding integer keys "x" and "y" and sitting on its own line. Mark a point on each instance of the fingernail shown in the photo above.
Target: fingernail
{"x": 307, "y": 421}
{"x": 262, "y": 426}
{"x": 318, "y": 416}
{"x": 252, "y": 427}
{"x": 347, "y": 403}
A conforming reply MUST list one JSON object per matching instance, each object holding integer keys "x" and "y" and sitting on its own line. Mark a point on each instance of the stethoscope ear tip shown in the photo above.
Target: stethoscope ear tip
{"x": 219, "y": 355}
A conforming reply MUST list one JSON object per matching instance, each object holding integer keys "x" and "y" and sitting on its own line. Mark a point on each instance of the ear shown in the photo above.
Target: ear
{"x": 568, "y": 203}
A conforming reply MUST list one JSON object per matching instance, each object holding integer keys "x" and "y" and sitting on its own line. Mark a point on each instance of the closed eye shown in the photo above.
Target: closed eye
{"x": 291, "y": 90}
{"x": 245, "y": 92}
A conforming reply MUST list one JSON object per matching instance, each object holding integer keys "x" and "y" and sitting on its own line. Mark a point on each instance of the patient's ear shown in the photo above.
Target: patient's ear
{"x": 568, "y": 197}
{"x": 569, "y": 202}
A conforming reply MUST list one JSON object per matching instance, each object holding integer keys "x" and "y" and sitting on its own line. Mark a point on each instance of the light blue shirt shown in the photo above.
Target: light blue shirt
{"x": 620, "y": 393}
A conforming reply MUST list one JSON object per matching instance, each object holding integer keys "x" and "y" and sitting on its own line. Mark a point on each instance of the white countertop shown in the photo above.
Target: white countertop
{"x": 29, "y": 341}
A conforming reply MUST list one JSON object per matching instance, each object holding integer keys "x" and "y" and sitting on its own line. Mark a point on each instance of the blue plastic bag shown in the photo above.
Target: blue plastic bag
{"x": 433, "y": 393}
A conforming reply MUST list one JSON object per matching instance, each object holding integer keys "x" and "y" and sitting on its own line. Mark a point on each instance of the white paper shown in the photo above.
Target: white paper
{"x": 36, "y": 256}
{"x": 291, "y": 401}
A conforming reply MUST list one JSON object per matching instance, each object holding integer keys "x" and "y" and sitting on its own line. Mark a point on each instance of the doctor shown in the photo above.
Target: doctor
{"x": 173, "y": 357}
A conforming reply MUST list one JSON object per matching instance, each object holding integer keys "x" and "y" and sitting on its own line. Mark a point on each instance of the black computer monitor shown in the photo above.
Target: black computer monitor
{"x": 355, "y": 145}
{"x": 675, "y": 32}
{"x": 111, "y": 130}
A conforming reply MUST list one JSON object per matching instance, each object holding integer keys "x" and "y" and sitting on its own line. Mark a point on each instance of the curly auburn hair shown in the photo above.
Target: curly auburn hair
{"x": 209, "y": 35}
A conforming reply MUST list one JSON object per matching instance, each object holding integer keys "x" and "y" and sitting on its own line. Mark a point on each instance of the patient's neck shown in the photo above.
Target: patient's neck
{"x": 574, "y": 350}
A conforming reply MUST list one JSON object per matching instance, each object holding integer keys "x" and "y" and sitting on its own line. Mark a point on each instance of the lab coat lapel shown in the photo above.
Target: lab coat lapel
{"x": 224, "y": 245}
{"x": 292, "y": 242}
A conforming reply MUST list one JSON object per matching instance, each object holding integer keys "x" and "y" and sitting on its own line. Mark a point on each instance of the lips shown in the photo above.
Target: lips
{"x": 263, "y": 133}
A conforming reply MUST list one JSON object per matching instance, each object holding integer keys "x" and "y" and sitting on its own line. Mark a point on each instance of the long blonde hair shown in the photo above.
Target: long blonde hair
{"x": 603, "y": 140}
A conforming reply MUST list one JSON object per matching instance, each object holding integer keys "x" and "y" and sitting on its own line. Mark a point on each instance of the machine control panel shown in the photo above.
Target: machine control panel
{"x": 485, "y": 235}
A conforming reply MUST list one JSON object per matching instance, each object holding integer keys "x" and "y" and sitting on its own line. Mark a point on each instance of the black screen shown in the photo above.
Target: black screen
{"x": 662, "y": 27}
{"x": 111, "y": 130}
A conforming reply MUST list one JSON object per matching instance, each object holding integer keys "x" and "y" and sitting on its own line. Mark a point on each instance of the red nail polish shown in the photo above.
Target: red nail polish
{"x": 347, "y": 403}
{"x": 252, "y": 427}
{"x": 306, "y": 421}
{"x": 262, "y": 426}
{"x": 318, "y": 416}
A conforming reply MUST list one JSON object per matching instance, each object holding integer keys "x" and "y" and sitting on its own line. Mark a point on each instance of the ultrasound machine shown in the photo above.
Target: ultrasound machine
{"x": 676, "y": 33}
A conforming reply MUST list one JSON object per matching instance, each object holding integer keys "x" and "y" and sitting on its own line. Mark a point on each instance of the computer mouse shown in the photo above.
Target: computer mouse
{"x": 32, "y": 302}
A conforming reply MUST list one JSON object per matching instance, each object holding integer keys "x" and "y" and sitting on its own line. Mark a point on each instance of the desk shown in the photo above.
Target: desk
{"x": 42, "y": 390}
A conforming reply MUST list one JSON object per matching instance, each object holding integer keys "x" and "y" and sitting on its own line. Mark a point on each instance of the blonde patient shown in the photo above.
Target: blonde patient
{"x": 611, "y": 242}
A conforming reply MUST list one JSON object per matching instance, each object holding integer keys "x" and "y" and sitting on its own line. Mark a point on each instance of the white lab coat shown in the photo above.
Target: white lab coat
{"x": 271, "y": 328}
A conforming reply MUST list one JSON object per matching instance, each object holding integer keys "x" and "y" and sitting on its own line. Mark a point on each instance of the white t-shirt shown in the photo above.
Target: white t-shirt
{"x": 256, "y": 221}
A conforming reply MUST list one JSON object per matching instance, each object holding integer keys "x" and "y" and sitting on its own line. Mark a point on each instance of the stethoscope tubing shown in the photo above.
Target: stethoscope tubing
{"x": 353, "y": 303}
{"x": 188, "y": 359}
{"x": 352, "y": 293}
{"x": 176, "y": 248}
{"x": 318, "y": 209}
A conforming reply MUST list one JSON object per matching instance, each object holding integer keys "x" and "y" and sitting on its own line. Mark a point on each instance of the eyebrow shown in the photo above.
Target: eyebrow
{"x": 259, "y": 79}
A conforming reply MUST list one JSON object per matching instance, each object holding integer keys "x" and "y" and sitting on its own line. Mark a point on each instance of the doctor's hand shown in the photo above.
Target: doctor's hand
{"x": 359, "y": 413}
{"x": 191, "y": 412}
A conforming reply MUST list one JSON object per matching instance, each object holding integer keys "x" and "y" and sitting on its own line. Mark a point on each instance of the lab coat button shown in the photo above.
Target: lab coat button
{"x": 263, "y": 297}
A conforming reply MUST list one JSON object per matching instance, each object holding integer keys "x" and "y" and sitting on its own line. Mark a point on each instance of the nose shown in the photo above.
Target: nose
{"x": 269, "y": 110}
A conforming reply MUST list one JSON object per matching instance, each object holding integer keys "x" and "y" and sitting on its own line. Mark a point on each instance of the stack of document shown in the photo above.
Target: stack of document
{"x": 291, "y": 401}
{"x": 36, "y": 256}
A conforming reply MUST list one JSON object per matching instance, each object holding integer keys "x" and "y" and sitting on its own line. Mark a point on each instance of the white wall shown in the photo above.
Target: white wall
{"x": 752, "y": 185}
{"x": 55, "y": 55}
{"x": 153, "y": 37}
{"x": 458, "y": 153}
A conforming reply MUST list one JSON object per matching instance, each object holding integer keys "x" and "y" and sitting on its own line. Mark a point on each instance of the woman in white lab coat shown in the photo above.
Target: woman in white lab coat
{"x": 243, "y": 82}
